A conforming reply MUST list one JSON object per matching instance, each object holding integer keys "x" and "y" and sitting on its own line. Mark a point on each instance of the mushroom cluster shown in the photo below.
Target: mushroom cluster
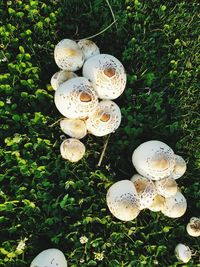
{"x": 154, "y": 187}
{"x": 86, "y": 102}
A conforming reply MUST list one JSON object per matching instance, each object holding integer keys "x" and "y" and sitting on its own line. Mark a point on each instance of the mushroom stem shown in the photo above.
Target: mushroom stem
{"x": 103, "y": 151}
{"x": 51, "y": 125}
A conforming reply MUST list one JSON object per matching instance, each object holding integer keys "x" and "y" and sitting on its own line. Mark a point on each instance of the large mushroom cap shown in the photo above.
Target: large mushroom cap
{"x": 122, "y": 200}
{"x": 175, "y": 206}
{"x": 74, "y": 127}
{"x": 72, "y": 149}
{"x": 146, "y": 190}
{"x": 68, "y": 55}
{"x": 76, "y": 98}
{"x": 193, "y": 227}
{"x": 166, "y": 187}
{"x": 89, "y": 48}
{"x": 105, "y": 119}
{"x": 157, "y": 204}
{"x": 107, "y": 74}
{"x": 154, "y": 160}
{"x": 60, "y": 77}
{"x": 183, "y": 253}
{"x": 179, "y": 168}
{"x": 49, "y": 257}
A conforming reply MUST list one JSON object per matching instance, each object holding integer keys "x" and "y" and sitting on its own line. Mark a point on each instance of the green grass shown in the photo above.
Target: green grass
{"x": 52, "y": 202}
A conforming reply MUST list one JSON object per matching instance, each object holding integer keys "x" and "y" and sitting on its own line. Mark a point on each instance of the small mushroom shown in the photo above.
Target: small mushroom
{"x": 166, "y": 187}
{"x": 60, "y": 77}
{"x": 154, "y": 160}
{"x": 157, "y": 204}
{"x": 175, "y": 206}
{"x": 107, "y": 75}
{"x": 105, "y": 119}
{"x": 183, "y": 253}
{"x": 76, "y": 98}
{"x": 50, "y": 257}
{"x": 122, "y": 200}
{"x": 74, "y": 127}
{"x": 179, "y": 168}
{"x": 68, "y": 55}
{"x": 146, "y": 190}
{"x": 72, "y": 149}
{"x": 89, "y": 48}
{"x": 193, "y": 227}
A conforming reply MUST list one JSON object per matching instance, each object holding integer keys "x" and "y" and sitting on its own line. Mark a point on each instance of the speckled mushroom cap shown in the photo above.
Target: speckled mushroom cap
{"x": 105, "y": 119}
{"x": 166, "y": 187}
{"x": 60, "y": 77}
{"x": 154, "y": 160}
{"x": 179, "y": 168}
{"x": 146, "y": 190}
{"x": 74, "y": 127}
{"x": 50, "y": 257}
{"x": 68, "y": 55}
{"x": 89, "y": 48}
{"x": 157, "y": 204}
{"x": 107, "y": 74}
{"x": 193, "y": 227}
{"x": 122, "y": 200}
{"x": 183, "y": 253}
{"x": 175, "y": 206}
{"x": 76, "y": 98}
{"x": 72, "y": 149}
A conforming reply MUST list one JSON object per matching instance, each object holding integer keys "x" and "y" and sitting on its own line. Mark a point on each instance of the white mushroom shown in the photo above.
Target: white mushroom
{"x": 175, "y": 206}
{"x": 60, "y": 77}
{"x": 68, "y": 55}
{"x": 105, "y": 119}
{"x": 50, "y": 257}
{"x": 179, "y": 168}
{"x": 146, "y": 190}
{"x": 157, "y": 204}
{"x": 89, "y": 48}
{"x": 166, "y": 187}
{"x": 74, "y": 127}
{"x": 154, "y": 160}
{"x": 72, "y": 149}
{"x": 193, "y": 227}
{"x": 183, "y": 253}
{"x": 76, "y": 98}
{"x": 122, "y": 200}
{"x": 107, "y": 75}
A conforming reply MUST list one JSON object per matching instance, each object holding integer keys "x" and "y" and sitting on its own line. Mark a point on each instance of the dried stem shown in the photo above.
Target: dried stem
{"x": 51, "y": 125}
{"x": 103, "y": 151}
{"x": 111, "y": 10}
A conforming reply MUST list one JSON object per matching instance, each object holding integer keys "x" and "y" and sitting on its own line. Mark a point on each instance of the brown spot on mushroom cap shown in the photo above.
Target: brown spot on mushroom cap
{"x": 70, "y": 52}
{"x": 85, "y": 97}
{"x": 140, "y": 185}
{"x": 160, "y": 163}
{"x": 109, "y": 72}
{"x": 105, "y": 117}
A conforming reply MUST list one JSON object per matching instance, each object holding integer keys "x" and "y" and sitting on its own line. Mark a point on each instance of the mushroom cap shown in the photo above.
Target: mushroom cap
{"x": 74, "y": 127}
{"x": 193, "y": 227}
{"x": 72, "y": 149}
{"x": 60, "y": 77}
{"x": 122, "y": 200}
{"x": 157, "y": 204}
{"x": 89, "y": 48}
{"x": 183, "y": 253}
{"x": 146, "y": 190}
{"x": 154, "y": 160}
{"x": 68, "y": 55}
{"x": 76, "y": 98}
{"x": 50, "y": 257}
{"x": 107, "y": 74}
{"x": 179, "y": 168}
{"x": 105, "y": 119}
{"x": 175, "y": 206}
{"x": 166, "y": 187}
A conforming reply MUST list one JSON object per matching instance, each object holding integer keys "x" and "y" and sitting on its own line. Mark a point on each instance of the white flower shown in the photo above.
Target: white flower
{"x": 82, "y": 260}
{"x": 8, "y": 100}
{"x": 83, "y": 239}
{"x": 99, "y": 255}
{"x": 21, "y": 245}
